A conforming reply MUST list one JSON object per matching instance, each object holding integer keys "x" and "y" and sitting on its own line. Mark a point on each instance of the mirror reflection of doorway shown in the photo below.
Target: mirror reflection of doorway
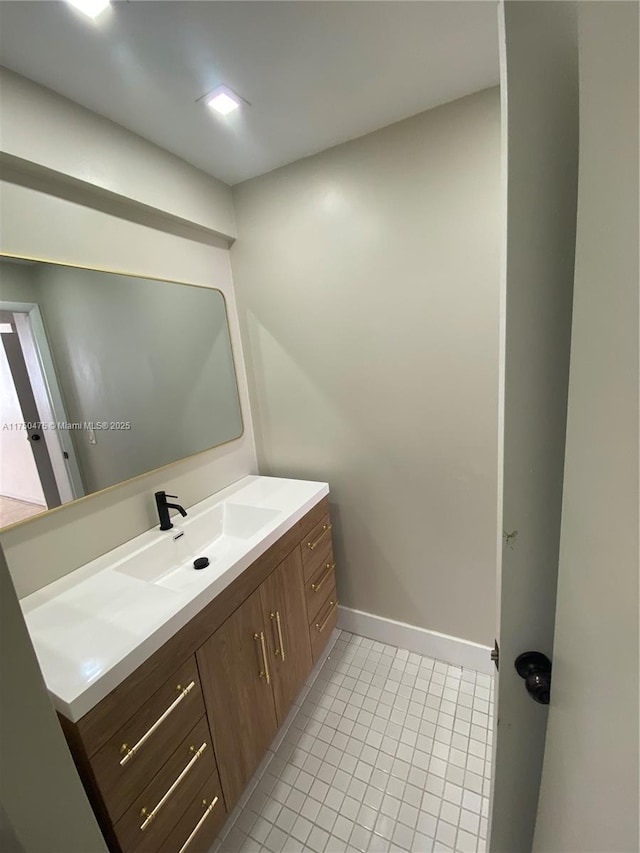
{"x": 21, "y": 492}
{"x": 34, "y": 472}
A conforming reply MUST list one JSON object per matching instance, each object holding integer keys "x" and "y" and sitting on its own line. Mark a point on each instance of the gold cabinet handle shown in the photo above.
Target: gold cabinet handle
{"x": 196, "y": 829}
{"x": 316, "y": 586}
{"x": 264, "y": 672}
{"x": 312, "y": 545}
{"x": 127, "y": 751}
{"x": 320, "y": 625}
{"x": 150, "y": 815}
{"x": 279, "y": 651}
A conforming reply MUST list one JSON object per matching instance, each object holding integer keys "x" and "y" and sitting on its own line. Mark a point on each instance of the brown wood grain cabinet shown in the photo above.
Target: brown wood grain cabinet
{"x": 324, "y": 623}
{"x": 167, "y": 754}
{"x": 155, "y": 812}
{"x": 288, "y": 644}
{"x": 238, "y": 694}
{"x": 316, "y": 546}
{"x": 135, "y": 753}
{"x": 197, "y": 828}
{"x": 319, "y": 584}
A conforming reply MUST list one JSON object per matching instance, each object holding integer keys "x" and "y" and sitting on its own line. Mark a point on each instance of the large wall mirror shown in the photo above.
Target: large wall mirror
{"x": 104, "y": 377}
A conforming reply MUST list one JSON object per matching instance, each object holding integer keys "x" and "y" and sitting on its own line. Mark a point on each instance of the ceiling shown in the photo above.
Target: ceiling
{"x": 315, "y": 73}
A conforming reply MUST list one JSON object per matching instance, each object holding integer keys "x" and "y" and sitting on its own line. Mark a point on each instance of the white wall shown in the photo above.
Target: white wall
{"x": 18, "y": 473}
{"x": 37, "y": 224}
{"x": 589, "y": 798}
{"x": 367, "y": 277}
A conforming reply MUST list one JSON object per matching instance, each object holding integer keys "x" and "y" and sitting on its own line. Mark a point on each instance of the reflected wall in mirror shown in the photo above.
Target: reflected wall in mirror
{"x": 104, "y": 377}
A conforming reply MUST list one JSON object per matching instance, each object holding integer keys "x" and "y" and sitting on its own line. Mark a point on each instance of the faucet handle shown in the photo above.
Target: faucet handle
{"x": 171, "y": 496}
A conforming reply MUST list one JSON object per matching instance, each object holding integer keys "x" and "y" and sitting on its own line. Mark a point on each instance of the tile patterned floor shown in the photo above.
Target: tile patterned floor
{"x": 385, "y": 750}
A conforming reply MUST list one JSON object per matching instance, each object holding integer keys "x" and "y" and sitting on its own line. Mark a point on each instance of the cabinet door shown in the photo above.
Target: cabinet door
{"x": 235, "y": 678}
{"x": 285, "y": 616}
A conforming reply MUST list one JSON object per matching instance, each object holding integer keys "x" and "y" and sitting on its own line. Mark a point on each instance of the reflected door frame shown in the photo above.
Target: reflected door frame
{"x": 29, "y": 409}
{"x": 48, "y": 401}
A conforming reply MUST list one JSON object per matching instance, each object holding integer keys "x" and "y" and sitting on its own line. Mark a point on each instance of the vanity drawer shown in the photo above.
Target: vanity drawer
{"x": 133, "y": 756}
{"x": 199, "y": 825}
{"x": 316, "y": 547}
{"x": 325, "y": 622}
{"x": 318, "y": 585}
{"x": 156, "y": 811}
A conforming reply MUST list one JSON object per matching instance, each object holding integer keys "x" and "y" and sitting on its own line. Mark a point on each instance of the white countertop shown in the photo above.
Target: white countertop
{"x": 95, "y": 626}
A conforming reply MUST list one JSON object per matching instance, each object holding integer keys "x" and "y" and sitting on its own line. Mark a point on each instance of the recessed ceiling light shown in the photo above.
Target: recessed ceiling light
{"x": 223, "y": 100}
{"x": 90, "y": 8}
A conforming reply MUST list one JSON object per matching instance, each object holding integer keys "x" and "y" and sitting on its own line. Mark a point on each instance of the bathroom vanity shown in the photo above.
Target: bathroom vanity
{"x": 170, "y": 683}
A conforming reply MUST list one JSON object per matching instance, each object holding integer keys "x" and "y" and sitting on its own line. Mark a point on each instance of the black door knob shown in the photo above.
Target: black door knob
{"x": 535, "y": 668}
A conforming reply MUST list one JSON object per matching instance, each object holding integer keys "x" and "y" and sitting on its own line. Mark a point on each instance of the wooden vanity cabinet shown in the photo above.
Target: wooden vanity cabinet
{"x": 152, "y": 814}
{"x": 135, "y": 753}
{"x": 183, "y": 734}
{"x": 238, "y": 695}
{"x": 262, "y": 656}
{"x": 199, "y": 825}
{"x": 288, "y": 645}
{"x": 326, "y": 620}
{"x": 320, "y": 585}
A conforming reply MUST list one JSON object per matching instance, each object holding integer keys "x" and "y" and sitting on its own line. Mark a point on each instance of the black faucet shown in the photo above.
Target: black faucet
{"x": 164, "y": 507}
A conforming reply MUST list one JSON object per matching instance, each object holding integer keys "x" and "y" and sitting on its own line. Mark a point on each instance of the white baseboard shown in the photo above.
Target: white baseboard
{"x": 442, "y": 647}
{"x": 25, "y": 499}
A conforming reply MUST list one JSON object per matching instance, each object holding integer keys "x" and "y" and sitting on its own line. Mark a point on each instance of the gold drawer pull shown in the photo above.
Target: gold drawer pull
{"x": 264, "y": 673}
{"x": 196, "y": 828}
{"x": 149, "y": 815}
{"x": 128, "y": 752}
{"x": 279, "y": 651}
{"x": 316, "y": 586}
{"x": 320, "y": 625}
{"x": 312, "y": 545}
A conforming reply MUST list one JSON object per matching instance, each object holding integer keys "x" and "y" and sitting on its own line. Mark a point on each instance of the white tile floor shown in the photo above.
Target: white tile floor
{"x": 385, "y": 751}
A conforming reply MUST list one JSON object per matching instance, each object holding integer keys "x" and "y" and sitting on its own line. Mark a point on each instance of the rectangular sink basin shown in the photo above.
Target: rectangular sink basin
{"x": 151, "y": 562}
{"x": 93, "y": 627}
{"x": 243, "y": 521}
{"x": 215, "y": 533}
